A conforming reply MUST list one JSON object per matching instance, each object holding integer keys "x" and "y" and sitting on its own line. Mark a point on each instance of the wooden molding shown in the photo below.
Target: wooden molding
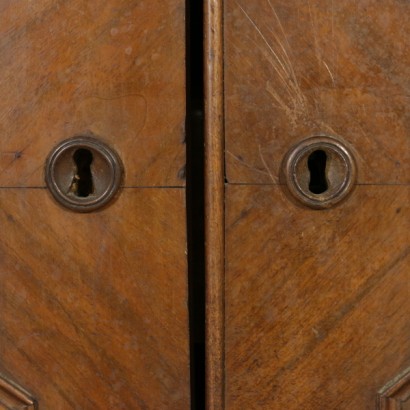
{"x": 214, "y": 204}
{"x": 14, "y": 397}
{"x": 396, "y": 394}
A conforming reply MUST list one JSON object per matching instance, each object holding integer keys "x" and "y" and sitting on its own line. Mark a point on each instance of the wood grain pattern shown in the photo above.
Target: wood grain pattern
{"x": 14, "y": 397}
{"x": 316, "y": 302}
{"x": 396, "y": 395}
{"x": 317, "y": 306}
{"x": 214, "y": 205}
{"x": 115, "y": 69}
{"x": 295, "y": 69}
{"x": 93, "y": 307}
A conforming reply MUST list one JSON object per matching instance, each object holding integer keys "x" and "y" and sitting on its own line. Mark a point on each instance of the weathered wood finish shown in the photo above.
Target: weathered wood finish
{"x": 317, "y": 309}
{"x": 115, "y": 69}
{"x": 317, "y": 302}
{"x": 93, "y": 307}
{"x": 214, "y": 205}
{"x": 295, "y": 69}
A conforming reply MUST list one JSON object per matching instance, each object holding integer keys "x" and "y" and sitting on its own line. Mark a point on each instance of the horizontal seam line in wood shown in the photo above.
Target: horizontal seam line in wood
{"x": 123, "y": 187}
{"x": 271, "y": 184}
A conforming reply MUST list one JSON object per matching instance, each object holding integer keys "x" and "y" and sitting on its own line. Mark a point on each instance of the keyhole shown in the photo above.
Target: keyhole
{"x": 82, "y": 184}
{"x": 317, "y": 167}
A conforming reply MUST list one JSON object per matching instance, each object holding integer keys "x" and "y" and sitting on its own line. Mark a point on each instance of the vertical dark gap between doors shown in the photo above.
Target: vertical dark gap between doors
{"x": 195, "y": 198}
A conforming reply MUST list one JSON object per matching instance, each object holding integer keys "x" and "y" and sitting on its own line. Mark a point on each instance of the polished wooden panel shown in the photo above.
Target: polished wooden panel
{"x": 298, "y": 68}
{"x": 214, "y": 205}
{"x": 317, "y": 302}
{"x": 115, "y": 69}
{"x": 93, "y": 307}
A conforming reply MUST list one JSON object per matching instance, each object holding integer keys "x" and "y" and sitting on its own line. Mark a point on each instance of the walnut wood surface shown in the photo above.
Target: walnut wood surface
{"x": 295, "y": 69}
{"x": 317, "y": 302}
{"x": 115, "y": 69}
{"x": 214, "y": 205}
{"x": 93, "y": 307}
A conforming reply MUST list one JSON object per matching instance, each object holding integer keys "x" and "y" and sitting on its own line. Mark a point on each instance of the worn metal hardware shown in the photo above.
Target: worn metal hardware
{"x": 83, "y": 174}
{"x": 320, "y": 171}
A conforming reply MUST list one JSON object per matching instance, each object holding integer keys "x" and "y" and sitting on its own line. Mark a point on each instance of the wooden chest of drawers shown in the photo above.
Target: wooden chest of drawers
{"x": 307, "y": 297}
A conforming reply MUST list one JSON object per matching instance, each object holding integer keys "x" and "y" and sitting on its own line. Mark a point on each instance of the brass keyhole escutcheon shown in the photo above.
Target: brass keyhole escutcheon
{"x": 320, "y": 171}
{"x": 83, "y": 174}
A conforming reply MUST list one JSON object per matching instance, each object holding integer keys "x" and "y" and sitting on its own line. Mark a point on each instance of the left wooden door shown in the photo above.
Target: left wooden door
{"x": 93, "y": 306}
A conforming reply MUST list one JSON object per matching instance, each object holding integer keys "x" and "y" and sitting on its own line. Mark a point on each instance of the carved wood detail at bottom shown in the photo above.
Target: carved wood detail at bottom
{"x": 13, "y": 396}
{"x": 396, "y": 394}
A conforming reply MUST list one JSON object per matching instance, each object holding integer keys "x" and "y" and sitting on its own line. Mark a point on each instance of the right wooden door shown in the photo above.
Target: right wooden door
{"x": 317, "y": 309}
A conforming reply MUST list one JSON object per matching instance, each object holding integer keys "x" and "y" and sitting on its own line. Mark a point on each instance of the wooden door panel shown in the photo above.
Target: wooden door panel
{"x": 296, "y": 69}
{"x": 93, "y": 306}
{"x": 317, "y": 304}
{"x": 115, "y": 70}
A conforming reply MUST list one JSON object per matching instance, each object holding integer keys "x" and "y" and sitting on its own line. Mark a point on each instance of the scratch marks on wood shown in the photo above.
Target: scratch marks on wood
{"x": 330, "y": 73}
{"x": 274, "y": 179}
{"x": 286, "y": 94}
{"x": 314, "y": 24}
{"x": 244, "y": 163}
{"x": 317, "y": 37}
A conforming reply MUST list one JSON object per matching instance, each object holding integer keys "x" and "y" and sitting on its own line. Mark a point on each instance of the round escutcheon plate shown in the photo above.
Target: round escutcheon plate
{"x": 320, "y": 171}
{"x": 83, "y": 174}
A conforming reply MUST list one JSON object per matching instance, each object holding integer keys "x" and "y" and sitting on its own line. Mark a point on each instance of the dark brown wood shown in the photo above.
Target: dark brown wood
{"x": 293, "y": 70}
{"x": 115, "y": 69}
{"x": 214, "y": 205}
{"x": 94, "y": 306}
{"x": 317, "y": 302}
